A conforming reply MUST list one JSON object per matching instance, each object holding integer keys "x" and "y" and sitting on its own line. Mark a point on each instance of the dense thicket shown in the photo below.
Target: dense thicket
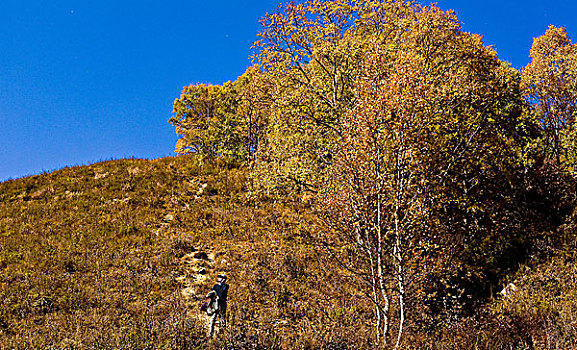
{"x": 434, "y": 167}
{"x": 374, "y": 180}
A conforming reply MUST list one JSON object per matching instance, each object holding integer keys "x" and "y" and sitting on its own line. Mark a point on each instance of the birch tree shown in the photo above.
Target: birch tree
{"x": 434, "y": 110}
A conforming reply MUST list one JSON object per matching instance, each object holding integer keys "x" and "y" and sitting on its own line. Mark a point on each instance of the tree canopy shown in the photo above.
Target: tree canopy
{"x": 550, "y": 85}
{"x": 419, "y": 146}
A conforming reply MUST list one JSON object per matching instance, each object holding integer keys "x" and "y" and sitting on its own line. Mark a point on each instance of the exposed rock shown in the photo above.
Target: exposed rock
{"x": 99, "y": 176}
{"x": 509, "y": 290}
{"x": 188, "y": 292}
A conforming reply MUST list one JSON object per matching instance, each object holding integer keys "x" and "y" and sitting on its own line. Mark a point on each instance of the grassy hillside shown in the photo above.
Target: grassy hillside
{"x": 86, "y": 261}
{"x": 119, "y": 254}
{"x": 95, "y": 257}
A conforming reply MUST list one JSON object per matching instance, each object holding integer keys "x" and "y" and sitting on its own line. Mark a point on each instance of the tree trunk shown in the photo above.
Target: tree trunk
{"x": 398, "y": 258}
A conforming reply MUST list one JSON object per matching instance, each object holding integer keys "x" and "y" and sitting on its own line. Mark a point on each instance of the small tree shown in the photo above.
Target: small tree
{"x": 550, "y": 83}
{"x": 207, "y": 120}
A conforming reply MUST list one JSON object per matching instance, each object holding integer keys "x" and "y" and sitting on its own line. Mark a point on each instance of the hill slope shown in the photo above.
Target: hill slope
{"x": 119, "y": 254}
{"x": 109, "y": 255}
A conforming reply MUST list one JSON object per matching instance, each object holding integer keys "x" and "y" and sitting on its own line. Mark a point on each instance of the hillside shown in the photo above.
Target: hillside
{"x": 103, "y": 256}
{"x": 119, "y": 254}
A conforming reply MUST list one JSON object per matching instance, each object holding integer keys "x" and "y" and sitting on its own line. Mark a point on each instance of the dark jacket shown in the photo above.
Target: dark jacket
{"x": 222, "y": 292}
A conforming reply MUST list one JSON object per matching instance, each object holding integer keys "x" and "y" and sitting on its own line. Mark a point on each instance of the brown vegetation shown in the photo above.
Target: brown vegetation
{"x": 95, "y": 261}
{"x": 92, "y": 258}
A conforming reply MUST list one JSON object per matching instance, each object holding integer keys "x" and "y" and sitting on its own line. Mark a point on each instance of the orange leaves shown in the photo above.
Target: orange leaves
{"x": 551, "y": 45}
{"x": 431, "y": 111}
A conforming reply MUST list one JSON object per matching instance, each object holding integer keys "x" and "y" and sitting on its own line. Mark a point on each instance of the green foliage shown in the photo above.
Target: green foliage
{"x": 206, "y": 119}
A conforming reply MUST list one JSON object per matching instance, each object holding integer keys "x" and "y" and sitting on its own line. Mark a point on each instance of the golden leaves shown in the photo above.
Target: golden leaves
{"x": 550, "y": 83}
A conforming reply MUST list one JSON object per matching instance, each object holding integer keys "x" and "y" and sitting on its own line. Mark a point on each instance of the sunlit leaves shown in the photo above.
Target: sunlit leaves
{"x": 550, "y": 83}
{"x": 204, "y": 115}
{"x": 435, "y": 117}
{"x": 310, "y": 53}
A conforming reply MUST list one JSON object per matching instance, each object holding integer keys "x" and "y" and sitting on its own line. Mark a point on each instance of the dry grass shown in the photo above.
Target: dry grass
{"x": 97, "y": 257}
{"x": 91, "y": 259}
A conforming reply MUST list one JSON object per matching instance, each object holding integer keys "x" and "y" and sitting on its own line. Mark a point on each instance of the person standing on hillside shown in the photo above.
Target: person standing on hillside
{"x": 218, "y": 294}
{"x": 221, "y": 289}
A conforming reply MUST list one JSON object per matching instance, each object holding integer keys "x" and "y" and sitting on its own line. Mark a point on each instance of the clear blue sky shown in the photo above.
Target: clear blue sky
{"x": 83, "y": 81}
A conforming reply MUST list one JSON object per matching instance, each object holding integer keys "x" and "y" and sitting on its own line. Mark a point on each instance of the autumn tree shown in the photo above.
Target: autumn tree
{"x": 409, "y": 131}
{"x": 435, "y": 118}
{"x": 310, "y": 55}
{"x": 254, "y": 102}
{"x": 549, "y": 82}
{"x": 207, "y": 121}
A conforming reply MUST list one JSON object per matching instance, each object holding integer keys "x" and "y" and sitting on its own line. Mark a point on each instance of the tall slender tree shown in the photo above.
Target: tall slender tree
{"x": 549, "y": 82}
